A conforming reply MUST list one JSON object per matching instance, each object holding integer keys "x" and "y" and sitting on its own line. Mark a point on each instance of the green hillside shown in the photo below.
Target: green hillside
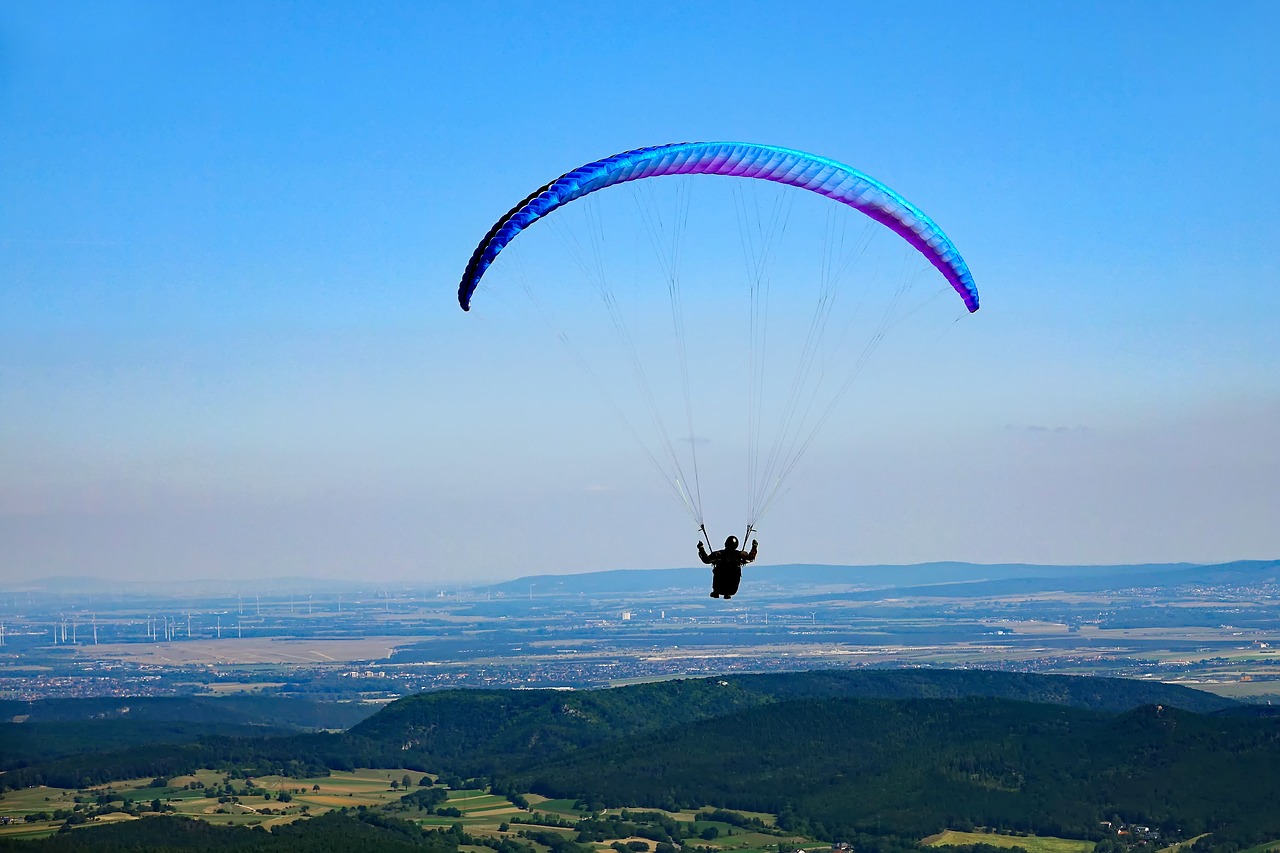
{"x": 51, "y": 729}
{"x": 838, "y": 767}
{"x": 247, "y": 709}
{"x": 482, "y": 731}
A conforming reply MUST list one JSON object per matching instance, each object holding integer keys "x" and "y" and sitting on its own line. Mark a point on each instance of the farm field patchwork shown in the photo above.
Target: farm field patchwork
{"x": 268, "y": 801}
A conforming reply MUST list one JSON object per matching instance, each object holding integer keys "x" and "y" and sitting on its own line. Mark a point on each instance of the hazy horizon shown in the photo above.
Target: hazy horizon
{"x": 230, "y": 344}
{"x": 278, "y": 584}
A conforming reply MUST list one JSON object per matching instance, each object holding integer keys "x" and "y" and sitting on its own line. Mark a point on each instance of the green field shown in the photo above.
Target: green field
{"x": 1268, "y": 847}
{"x": 556, "y": 807}
{"x": 29, "y": 830}
{"x": 1030, "y": 843}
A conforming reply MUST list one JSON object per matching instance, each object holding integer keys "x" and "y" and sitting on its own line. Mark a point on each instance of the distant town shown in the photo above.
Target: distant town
{"x": 1215, "y": 628}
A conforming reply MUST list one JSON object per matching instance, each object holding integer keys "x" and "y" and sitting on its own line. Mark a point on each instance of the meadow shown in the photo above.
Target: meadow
{"x": 1030, "y": 843}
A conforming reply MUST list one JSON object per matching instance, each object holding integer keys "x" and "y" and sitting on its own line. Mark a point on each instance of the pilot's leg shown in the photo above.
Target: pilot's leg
{"x": 730, "y": 586}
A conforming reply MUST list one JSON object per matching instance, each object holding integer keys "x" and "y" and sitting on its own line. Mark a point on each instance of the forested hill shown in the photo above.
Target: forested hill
{"x": 913, "y": 767}
{"x": 836, "y": 754}
{"x": 45, "y": 730}
{"x": 246, "y": 709}
{"x": 483, "y": 730}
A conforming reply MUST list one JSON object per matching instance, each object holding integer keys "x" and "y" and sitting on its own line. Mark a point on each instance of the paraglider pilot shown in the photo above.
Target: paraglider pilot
{"x": 726, "y": 566}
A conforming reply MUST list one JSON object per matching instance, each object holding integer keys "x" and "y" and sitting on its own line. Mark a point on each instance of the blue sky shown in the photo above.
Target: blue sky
{"x": 230, "y": 239}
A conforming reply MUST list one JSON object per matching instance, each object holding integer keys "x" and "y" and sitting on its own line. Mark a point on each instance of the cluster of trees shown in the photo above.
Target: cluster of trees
{"x": 424, "y": 799}
{"x": 754, "y": 824}
{"x": 656, "y": 826}
{"x": 555, "y": 842}
{"x": 544, "y": 819}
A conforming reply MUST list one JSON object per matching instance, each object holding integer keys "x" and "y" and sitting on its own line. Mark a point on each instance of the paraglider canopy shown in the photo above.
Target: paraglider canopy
{"x": 734, "y": 159}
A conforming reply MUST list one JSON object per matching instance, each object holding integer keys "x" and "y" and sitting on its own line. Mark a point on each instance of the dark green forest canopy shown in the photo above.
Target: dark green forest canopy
{"x": 26, "y": 744}
{"x": 914, "y": 767}
{"x": 57, "y": 728}
{"x": 484, "y": 730}
{"x": 243, "y": 709}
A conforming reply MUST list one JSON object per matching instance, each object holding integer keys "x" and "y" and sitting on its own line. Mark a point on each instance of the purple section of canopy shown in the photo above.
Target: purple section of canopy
{"x": 734, "y": 159}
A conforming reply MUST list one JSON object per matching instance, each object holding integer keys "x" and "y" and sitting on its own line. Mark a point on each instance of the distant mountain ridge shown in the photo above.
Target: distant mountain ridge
{"x": 1238, "y": 572}
{"x": 870, "y": 581}
{"x": 922, "y": 578}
